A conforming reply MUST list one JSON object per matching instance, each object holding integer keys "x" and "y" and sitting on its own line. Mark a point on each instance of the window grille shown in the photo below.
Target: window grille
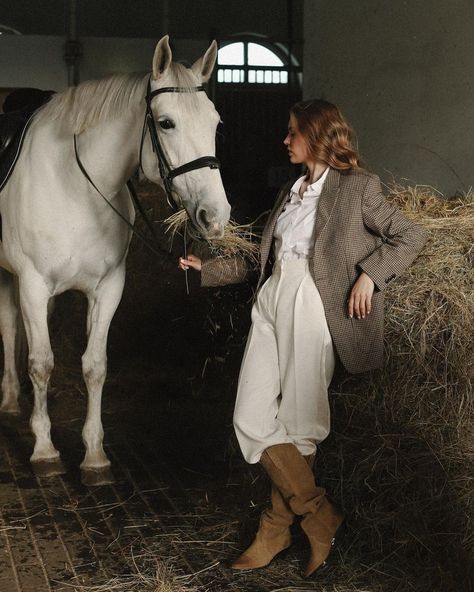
{"x": 246, "y": 62}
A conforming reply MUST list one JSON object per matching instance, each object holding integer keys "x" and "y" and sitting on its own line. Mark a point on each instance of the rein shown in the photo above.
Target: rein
{"x": 155, "y": 248}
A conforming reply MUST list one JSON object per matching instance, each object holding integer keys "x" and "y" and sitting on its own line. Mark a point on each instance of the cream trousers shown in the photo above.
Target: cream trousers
{"x": 282, "y": 396}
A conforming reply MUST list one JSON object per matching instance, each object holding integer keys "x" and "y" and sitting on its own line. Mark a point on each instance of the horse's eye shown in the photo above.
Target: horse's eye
{"x": 166, "y": 124}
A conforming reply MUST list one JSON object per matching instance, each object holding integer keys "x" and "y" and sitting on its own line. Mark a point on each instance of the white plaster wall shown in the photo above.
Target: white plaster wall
{"x": 402, "y": 73}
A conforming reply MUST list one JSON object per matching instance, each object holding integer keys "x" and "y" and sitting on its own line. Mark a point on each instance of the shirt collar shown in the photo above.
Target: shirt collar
{"x": 313, "y": 190}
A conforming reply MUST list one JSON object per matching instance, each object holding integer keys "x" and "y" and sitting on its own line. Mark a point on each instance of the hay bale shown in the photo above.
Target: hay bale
{"x": 399, "y": 459}
{"x": 430, "y": 312}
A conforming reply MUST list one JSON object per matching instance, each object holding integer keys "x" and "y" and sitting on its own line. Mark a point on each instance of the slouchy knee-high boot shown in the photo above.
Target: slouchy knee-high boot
{"x": 273, "y": 534}
{"x": 291, "y": 475}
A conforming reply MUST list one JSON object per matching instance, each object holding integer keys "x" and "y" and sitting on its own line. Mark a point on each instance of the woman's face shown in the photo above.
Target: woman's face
{"x": 294, "y": 141}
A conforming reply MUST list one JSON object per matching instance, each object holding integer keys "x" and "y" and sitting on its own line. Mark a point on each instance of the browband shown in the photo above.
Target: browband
{"x": 170, "y": 89}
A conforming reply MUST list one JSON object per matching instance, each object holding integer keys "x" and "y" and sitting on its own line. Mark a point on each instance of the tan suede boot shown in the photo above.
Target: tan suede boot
{"x": 273, "y": 535}
{"x": 292, "y": 477}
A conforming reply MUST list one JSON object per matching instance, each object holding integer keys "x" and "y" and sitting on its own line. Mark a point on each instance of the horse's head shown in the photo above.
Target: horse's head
{"x": 186, "y": 121}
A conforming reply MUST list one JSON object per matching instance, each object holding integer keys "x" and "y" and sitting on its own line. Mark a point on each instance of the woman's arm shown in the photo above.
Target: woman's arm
{"x": 402, "y": 238}
{"x": 219, "y": 271}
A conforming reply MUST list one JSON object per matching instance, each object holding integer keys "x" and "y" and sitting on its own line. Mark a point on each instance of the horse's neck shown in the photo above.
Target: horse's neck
{"x": 110, "y": 151}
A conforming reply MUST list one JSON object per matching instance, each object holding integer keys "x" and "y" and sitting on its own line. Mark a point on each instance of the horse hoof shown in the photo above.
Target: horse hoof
{"x": 48, "y": 468}
{"x": 92, "y": 477}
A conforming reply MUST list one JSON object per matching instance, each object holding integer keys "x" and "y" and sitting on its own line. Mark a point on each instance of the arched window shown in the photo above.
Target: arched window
{"x": 251, "y": 63}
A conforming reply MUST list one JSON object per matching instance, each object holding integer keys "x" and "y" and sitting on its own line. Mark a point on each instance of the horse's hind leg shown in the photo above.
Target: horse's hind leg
{"x": 34, "y": 298}
{"x": 103, "y": 302}
{"x": 8, "y": 329}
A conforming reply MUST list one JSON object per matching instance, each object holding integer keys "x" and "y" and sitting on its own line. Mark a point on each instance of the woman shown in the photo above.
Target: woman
{"x": 337, "y": 243}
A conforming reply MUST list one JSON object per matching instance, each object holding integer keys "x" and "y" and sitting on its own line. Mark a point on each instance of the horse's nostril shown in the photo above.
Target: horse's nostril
{"x": 202, "y": 218}
{"x": 209, "y": 223}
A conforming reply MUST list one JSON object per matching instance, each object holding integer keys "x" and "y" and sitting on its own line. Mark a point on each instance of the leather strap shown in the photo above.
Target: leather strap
{"x": 155, "y": 248}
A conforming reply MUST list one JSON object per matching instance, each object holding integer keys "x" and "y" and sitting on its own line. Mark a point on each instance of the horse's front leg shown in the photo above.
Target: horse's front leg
{"x": 103, "y": 302}
{"x": 34, "y": 297}
{"x": 8, "y": 329}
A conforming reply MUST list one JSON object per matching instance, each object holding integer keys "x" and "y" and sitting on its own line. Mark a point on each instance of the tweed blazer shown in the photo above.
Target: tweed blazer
{"x": 356, "y": 230}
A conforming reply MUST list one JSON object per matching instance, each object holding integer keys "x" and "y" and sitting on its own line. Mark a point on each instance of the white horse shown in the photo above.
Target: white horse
{"x": 59, "y": 233}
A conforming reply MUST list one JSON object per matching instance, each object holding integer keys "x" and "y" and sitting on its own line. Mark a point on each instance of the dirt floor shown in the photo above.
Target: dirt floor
{"x": 183, "y": 494}
{"x": 57, "y": 533}
{"x": 180, "y": 495}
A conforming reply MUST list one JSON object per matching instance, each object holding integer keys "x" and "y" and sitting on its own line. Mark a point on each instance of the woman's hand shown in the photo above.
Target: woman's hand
{"x": 360, "y": 300}
{"x": 192, "y": 262}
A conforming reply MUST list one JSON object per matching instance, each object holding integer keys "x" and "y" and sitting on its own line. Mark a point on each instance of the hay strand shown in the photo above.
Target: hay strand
{"x": 239, "y": 240}
{"x": 149, "y": 574}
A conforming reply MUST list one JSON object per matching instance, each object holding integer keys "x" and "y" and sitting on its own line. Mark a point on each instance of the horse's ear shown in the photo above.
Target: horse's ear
{"x": 204, "y": 66}
{"x": 162, "y": 57}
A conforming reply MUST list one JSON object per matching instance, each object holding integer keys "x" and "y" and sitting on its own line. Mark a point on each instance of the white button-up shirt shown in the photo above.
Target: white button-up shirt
{"x": 294, "y": 230}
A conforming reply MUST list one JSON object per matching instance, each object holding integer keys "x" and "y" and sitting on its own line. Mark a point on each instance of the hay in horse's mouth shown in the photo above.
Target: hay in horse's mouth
{"x": 239, "y": 240}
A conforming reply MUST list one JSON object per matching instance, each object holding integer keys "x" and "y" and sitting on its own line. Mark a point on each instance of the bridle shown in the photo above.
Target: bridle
{"x": 166, "y": 172}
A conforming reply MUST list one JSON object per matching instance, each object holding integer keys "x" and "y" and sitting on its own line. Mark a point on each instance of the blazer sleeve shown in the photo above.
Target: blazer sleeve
{"x": 234, "y": 270}
{"x": 221, "y": 271}
{"x": 402, "y": 238}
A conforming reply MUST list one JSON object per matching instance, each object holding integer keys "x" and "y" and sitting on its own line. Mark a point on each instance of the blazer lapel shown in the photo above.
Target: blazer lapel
{"x": 327, "y": 201}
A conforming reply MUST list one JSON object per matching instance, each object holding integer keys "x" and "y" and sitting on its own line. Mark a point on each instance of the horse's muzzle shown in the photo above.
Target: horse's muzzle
{"x": 214, "y": 231}
{"x": 210, "y": 226}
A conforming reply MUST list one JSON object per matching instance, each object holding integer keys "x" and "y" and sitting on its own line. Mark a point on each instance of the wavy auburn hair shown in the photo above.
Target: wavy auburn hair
{"x": 327, "y": 135}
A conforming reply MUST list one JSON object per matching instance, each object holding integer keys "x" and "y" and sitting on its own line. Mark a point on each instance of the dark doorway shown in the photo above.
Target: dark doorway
{"x": 254, "y": 88}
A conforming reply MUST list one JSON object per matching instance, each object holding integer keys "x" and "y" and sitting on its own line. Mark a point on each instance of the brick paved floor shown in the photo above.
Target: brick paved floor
{"x": 57, "y": 535}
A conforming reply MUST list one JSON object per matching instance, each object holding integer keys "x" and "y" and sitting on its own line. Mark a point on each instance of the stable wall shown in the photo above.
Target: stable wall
{"x": 35, "y": 61}
{"x": 402, "y": 73}
{"x": 38, "y": 61}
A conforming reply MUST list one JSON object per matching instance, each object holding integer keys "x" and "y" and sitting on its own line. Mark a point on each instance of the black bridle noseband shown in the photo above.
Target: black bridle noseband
{"x": 166, "y": 172}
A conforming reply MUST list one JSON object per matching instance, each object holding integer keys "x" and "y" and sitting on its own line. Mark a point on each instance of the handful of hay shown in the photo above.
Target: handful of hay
{"x": 239, "y": 240}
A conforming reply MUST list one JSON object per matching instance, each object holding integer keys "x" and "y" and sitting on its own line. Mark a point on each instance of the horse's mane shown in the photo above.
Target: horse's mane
{"x": 95, "y": 101}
